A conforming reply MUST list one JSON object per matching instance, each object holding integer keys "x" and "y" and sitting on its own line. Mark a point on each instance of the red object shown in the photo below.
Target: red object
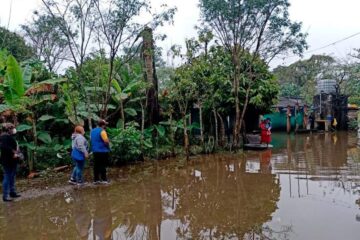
{"x": 265, "y": 134}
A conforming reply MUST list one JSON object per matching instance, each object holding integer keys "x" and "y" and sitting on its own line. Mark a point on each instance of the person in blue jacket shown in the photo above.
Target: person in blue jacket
{"x": 79, "y": 153}
{"x": 100, "y": 147}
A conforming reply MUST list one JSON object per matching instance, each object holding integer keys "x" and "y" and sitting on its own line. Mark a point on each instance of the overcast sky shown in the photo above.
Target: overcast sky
{"x": 326, "y": 21}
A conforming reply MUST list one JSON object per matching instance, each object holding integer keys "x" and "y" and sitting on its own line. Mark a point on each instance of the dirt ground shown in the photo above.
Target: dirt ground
{"x": 53, "y": 183}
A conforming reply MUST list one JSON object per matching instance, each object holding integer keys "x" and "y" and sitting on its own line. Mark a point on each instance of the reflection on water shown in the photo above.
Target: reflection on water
{"x": 307, "y": 187}
{"x": 319, "y": 179}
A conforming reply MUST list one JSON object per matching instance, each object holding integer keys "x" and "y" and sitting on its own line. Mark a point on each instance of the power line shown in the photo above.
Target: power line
{"x": 326, "y": 46}
{"x": 334, "y": 43}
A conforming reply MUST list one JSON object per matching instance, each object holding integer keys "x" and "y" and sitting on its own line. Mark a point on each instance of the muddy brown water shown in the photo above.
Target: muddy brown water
{"x": 306, "y": 187}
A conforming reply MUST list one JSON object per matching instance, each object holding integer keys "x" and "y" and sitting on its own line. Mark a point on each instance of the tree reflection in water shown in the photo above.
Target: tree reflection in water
{"x": 207, "y": 198}
{"x": 210, "y": 197}
{"x": 221, "y": 196}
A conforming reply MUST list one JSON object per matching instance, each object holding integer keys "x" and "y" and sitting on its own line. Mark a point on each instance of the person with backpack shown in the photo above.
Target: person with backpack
{"x": 100, "y": 147}
{"x": 79, "y": 154}
{"x": 10, "y": 156}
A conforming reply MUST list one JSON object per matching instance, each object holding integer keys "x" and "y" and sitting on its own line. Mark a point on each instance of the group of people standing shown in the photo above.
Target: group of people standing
{"x": 100, "y": 148}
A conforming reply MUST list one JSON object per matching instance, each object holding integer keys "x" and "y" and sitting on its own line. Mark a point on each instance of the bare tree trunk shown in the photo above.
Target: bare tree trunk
{"x": 222, "y": 130}
{"x": 186, "y": 138}
{"x": 90, "y": 123}
{"x": 172, "y": 135}
{"x": 201, "y": 125}
{"x": 244, "y": 108}
{"x": 110, "y": 77}
{"x": 152, "y": 107}
{"x": 88, "y": 109}
{"x": 142, "y": 126}
{"x": 122, "y": 114}
{"x": 31, "y": 162}
{"x": 236, "y": 84}
{"x": 216, "y": 128}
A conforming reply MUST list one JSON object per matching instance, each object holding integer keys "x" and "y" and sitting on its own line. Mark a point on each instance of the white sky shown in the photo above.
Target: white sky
{"x": 326, "y": 21}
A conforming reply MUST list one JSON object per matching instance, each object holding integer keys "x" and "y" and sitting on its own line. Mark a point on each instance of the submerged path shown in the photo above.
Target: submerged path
{"x": 306, "y": 187}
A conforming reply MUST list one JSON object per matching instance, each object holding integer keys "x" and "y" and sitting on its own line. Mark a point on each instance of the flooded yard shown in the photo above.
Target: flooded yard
{"x": 306, "y": 187}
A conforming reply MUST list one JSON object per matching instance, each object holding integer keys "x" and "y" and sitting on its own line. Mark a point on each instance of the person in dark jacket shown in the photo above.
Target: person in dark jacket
{"x": 100, "y": 147}
{"x": 9, "y": 160}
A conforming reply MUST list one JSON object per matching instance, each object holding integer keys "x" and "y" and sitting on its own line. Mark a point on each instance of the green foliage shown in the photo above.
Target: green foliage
{"x": 125, "y": 144}
{"x": 299, "y": 79}
{"x": 290, "y": 90}
{"x": 13, "y": 88}
{"x": 110, "y": 82}
{"x": 263, "y": 85}
{"x": 15, "y": 45}
{"x": 14, "y": 77}
{"x": 44, "y": 137}
{"x": 47, "y": 40}
{"x": 353, "y": 125}
{"x": 262, "y": 26}
{"x": 53, "y": 155}
{"x": 23, "y": 127}
{"x": 46, "y": 118}
{"x": 354, "y": 100}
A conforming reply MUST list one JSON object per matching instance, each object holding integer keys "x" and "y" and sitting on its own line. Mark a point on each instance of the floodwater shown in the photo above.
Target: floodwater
{"x": 306, "y": 187}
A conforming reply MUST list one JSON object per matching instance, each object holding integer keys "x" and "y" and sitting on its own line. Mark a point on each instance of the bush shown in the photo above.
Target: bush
{"x": 353, "y": 124}
{"x": 125, "y": 144}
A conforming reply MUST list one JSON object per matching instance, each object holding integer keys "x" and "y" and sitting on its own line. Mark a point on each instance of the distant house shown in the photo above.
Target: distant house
{"x": 284, "y": 102}
{"x": 279, "y": 118}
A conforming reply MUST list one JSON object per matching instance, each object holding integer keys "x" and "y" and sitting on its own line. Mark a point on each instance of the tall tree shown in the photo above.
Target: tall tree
{"x": 299, "y": 78}
{"x": 148, "y": 54}
{"x": 118, "y": 29}
{"x": 76, "y": 21}
{"x": 47, "y": 40}
{"x": 15, "y": 45}
{"x": 259, "y": 27}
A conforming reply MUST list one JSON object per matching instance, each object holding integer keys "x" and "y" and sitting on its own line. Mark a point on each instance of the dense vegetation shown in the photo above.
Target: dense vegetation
{"x": 299, "y": 79}
{"x": 116, "y": 72}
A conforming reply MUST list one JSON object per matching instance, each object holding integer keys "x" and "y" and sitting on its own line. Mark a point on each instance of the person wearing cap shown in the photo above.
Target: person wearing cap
{"x": 9, "y": 160}
{"x": 79, "y": 153}
{"x": 100, "y": 147}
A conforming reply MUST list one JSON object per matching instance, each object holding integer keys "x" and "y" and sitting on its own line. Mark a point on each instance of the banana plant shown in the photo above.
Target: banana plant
{"x": 12, "y": 87}
{"x": 121, "y": 96}
{"x": 21, "y": 96}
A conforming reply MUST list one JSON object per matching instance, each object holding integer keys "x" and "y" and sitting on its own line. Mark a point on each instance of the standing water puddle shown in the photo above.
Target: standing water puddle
{"x": 306, "y": 187}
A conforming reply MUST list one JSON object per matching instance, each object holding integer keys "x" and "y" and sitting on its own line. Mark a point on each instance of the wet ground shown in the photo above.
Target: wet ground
{"x": 306, "y": 187}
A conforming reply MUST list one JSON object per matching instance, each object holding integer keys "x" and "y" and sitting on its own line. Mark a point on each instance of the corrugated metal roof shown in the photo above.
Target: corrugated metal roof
{"x": 284, "y": 102}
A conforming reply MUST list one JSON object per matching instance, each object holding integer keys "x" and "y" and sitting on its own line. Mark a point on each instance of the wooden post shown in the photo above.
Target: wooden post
{"x": 296, "y": 117}
{"x": 306, "y": 117}
{"x": 288, "y": 119}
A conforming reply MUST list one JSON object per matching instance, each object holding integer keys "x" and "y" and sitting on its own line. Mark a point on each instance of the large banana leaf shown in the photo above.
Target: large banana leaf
{"x": 116, "y": 86}
{"x": 44, "y": 137}
{"x": 44, "y": 86}
{"x": 52, "y": 81}
{"x": 26, "y": 74}
{"x": 14, "y": 78}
